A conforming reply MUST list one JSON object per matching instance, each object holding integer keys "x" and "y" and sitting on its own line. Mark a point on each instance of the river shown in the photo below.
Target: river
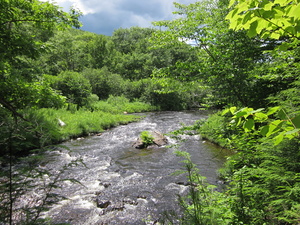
{"x": 124, "y": 185}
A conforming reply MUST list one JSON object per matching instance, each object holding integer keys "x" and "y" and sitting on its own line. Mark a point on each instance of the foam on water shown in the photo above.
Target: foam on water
{"x": 134, "y": 185}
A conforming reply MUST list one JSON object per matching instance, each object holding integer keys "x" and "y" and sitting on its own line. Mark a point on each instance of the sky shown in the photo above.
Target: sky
{"x": 105, "y": 16}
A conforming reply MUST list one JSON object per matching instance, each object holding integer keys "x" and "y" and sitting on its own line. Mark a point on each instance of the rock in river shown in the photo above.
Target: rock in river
{"x": 159, "y": 140}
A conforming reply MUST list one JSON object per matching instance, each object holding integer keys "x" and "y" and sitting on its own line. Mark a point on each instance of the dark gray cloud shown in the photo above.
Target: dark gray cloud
{"x": 105, "y": 16}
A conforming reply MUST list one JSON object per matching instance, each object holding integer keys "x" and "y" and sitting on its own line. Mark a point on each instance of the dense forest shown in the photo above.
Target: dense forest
{"x": 240, "y": 58}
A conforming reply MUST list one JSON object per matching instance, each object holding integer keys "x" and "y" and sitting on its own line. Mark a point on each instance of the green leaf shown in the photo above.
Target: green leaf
{"x": 265, "y": 130}
{"x": 275, "y": 35}
{"x": 295, "y": 11}
{"x": 260, "y": 116}
{"x": 241, "y": 113}
{"x": 280, "y": 2}
{"x": 225, "y": 111}
{"x": 274, "y": 127}
{"x": 252, "y": 29}
{"x": 284, "y": 46}
{"x": 262, "y": 24}
{"x": 273, "y": 110}
{"x": 232, "y": 109}
{"x": 296, "y": 121}
{"x": 282, "y": 115}
{"x": 292, "y": 131}
{"x": 231, "y": 3}
{"x": 238, "y": 121}
{"x": 257, "y": 110}
{"x": 268, "y": 6}
{"x": 249, "y": 125}
{"x": 278, "y": 139}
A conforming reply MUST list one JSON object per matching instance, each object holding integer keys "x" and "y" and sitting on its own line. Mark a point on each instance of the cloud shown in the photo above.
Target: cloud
{"x": 105, "y": 16}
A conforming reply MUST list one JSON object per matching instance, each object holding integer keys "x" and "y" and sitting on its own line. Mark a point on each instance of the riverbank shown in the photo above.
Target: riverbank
{"x": 102, "y": 116}
{"x": 263, "y": 175}
{"x": 39, "y": 128}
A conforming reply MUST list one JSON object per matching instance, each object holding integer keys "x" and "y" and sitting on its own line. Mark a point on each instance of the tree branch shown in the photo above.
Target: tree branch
{"x": 12, "y": 109}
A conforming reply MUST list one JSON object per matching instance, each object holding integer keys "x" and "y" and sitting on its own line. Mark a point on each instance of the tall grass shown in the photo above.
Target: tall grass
{"x": 83, "y": 122}
{"x": 120, "y": 104}
{"x": 42, "y": 127}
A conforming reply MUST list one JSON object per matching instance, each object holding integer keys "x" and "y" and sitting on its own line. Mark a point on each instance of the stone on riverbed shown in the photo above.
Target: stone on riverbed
{"x": 103, "y": 203}
{"x": 159, "y": 140}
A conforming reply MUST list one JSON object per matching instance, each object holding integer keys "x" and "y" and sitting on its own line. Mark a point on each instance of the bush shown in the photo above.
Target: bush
{"x": 217, "y": 130}
{"x": 202, "y": 205}
{"x": 263, "y": 179}
{"x": 75, "y": 87}
{"x": 35, "y": 131}
{"x": 147, "y": 138}
{"x": 105, "y": 83}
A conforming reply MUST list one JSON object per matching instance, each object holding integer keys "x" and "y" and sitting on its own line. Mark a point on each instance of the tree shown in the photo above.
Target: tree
{"x": 131, "y": 39}
{"x": 98, "y": 49}
{"x": 224, "y": 59}
{"x": 278, "y": 19}
{"x": 25, "y": 25}
{"x": 74, "y": 50}
{"x": 136, "y": 58}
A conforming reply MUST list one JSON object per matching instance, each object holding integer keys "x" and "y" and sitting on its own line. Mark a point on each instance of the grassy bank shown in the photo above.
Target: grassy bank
{"x": 36, "y": 130}
{"x": 48, "y": 126}
{"x": 83, "y": 122}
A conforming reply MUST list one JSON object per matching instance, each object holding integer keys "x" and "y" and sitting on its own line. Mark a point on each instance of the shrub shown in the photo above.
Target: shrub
{"x": 264, "y": 178}
{"x": 216, "y": 130}
{"x": 147, "y": 138}
{"x": 75, "y": 87}
{"x": 105, "y": 83}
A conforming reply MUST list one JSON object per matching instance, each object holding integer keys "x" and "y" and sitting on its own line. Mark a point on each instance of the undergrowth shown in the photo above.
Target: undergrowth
{"x": 263, "y": 179}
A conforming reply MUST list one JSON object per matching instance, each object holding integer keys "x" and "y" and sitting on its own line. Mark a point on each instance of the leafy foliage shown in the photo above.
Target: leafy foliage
{"x": 263, "y": 179}
{"x": 147, "y": 138}
{"x": 75, "y": 87}
{"x": 214, "y": 54}
{"x": 283, "y": 127}
{"x": 218, "y": 65}
{"x": 269, "y": 19}
{"x": 104, "y": 83}
{"x": 25, "y": 26}
{"x": 203, "y": 205}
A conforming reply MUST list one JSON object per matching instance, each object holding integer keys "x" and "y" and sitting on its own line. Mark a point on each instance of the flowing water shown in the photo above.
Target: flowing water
{"x": 124, "y": 185}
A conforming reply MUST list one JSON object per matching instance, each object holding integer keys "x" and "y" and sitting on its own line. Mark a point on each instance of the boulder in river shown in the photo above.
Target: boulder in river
{"x": 158, "y": 140}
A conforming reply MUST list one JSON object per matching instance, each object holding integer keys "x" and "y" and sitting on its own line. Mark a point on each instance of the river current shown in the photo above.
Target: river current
{"x": 124, "y": 185}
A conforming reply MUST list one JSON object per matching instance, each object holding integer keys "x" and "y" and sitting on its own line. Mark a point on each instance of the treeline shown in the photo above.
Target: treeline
{"x": 84, "y": 66}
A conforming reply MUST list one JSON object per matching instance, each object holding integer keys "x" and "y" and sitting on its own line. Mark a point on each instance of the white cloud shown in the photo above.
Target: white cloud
{"x": 104, "y": 16}
{"x": 67, "y": 4}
